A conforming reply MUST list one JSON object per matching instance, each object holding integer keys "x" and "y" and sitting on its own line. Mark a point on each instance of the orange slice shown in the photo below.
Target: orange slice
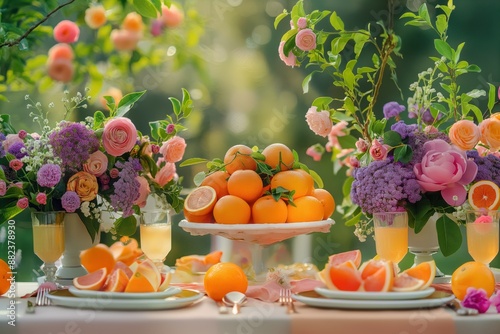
{"x": 97, "y": 257}
{"x": 92, "y": 281}
{"x": 484, "y": 195}
{"x": 377, "y": 275}
{"x": 200, "y": 201}
{"x": 424, "y": 271}
{"x": 346, "y": 277}
{"x": 139, "y": 283}
{"x": 406, "y": 283}
{"x": 117, "y": 281}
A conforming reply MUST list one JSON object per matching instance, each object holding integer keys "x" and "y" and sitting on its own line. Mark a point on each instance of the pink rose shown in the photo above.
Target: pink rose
{"x": 290, "y": 59}
{"x": 490, "y": 132}
{"x": 165, "y": 174}
{"x": 61, "y": 50}
{"x": 314, "y": 152}
{"x": 119, "y": 136}
{"x": 484, "y": 219}
{"x": 95, "y": 16}
{"x": 10, "y": 140}
{"x": 144, "y": 191}
{"x": 361, "y": 145}
{"x": 22, "y": 134}
{"x": 3, "y": 187}
{"x": 319, "y": 121}
{"x": 172, "y": 16}
{"x": 306, "y": 40}
{"x": 445, "y": 168}
{"x": 173, "y": 149}
{"x": 41, "y": 198}
{"x": 60, "y": 69}
{"x": 465, "y": 134}
{"x": 125, "y": 40}
{"x": 22, "y": 203}
{"x": 66, "y": 32}
{"x": 114, "y": 173}
{"x": 96, "y": 164}
{"x": 301, "y": 23}
{"x": 16, "y": 164}
{"x": 378, "y": 151}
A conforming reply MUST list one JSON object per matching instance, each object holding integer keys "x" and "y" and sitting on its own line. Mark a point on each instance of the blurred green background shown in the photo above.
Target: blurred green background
{"x": 247, "y": 95}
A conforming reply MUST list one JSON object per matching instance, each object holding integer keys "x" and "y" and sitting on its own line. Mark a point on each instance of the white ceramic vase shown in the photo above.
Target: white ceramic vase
{"x": 77, "y": 239}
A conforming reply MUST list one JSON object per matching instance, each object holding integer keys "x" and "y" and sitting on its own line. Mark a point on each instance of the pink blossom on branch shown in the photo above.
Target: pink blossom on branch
{"x": 95, "y": 16}
{"x": 289, "y": 59}
{"x": 66, "y": 31}
{"x": 378, "y": 151}
{"x": 319, "y": 121}
{"x": 165, "y": 174}
{"x": 306, "y": 40}
{"x": 173, "y": 149}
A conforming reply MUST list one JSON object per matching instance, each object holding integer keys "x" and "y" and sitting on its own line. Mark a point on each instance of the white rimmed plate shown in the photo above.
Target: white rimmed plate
{"x": 312, "y": 298}
{"x": 358, "y": 295}
{"x": 182, "y": 299}
{"x": 170, "y": 291}
{"x": 262, "y": 234}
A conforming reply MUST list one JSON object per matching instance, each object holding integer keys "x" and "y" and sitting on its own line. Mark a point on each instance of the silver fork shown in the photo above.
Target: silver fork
{"x": 286, "y": 299}
{"x": 41, "y": 297}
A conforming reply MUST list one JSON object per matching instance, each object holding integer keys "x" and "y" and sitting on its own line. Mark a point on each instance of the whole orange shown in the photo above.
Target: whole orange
{"x": 246, "y": 184}
{"x": 222, "y": 278}
{"x": 5, "y": 275}
{"x": 279, "y": 155}
{"x": 472, "y": 274}
{"x": 231, "y": 209}
{"x": 239, "y": 157}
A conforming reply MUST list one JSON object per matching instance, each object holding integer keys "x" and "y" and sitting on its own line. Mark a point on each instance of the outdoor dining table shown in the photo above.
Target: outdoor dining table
{"x": 256, "y": 317}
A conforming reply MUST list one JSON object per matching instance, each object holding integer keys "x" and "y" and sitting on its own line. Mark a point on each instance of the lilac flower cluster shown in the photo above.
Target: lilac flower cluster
{"x": 126, "y": 189}
{"x": 73, "y": 143}
{"x": 70, "y": 201}
{"x": 384, "y": 186}
{"x": 392, "y": 109}
{"x": 48, "y": 175}
{"x": 488, "y": 167}
{"x": 16, "y": 149}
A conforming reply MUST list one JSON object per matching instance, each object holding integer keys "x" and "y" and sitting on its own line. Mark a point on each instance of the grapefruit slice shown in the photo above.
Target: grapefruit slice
{"x": 346, "y": 276}
{"x": 324, "y": 276}
{"x": 165, "y": 281}
{"x": 484, "y": 194}
{"x": 424, "y": 271}
{"x": 92, "y": 281}
{"x": 377, "y": 275}
{"x": 126, "y": 269}
{"x": 200, "y": 201}
{"x": 149, "y": 269}
{"x": 354, "y": 256}
{"x": 117, "y": 281}
{"x": 407, "y": 283}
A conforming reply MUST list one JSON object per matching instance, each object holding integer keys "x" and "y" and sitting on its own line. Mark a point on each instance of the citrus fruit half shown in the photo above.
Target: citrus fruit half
{"x": 200, "y": 201}
{"x": 484, "y": 194}
{"x": 92, "y": 281}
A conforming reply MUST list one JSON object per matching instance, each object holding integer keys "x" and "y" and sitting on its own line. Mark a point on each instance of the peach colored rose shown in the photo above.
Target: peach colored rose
{"x": 84, "y": 184}
{"x": 144, "y": 191}
{"x": 378, "y": 151}
{"x": 173, "y": 149}
{"x": 290, "y": 59}
{"x": 172, "y": 17}
{"x": 306, "y": 40}
{"x": 95, "y": 16}
{"x": 61, "y": 50}
{"x": 119, "y": 136}
{"x": 60, "y": 69}
{"x": 319, "y": 121}
{"x": 165, "y": 174}
{"x": 133, "y": 22}
{"x": 125, "y": 40}
{"x": 96, "y": 164}
{"x": 115, "y": 93}
{"x": 465, "y": 134}
{"x": 490, "y": 133}
{"x": 66, "y": 31}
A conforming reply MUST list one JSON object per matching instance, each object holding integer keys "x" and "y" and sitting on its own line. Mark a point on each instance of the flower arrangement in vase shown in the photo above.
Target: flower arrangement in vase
{"x": 97, "y": 165}
{"x": 422, "y": 162}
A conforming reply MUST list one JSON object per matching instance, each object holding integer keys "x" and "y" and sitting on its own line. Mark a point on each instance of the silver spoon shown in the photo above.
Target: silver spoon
{"x": 234, "y": 299}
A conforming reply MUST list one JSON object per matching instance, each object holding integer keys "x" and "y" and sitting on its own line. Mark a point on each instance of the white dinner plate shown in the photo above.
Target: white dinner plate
{"x": 262, "y": 234}
{"x": 182, "y": 299}
{"x": 358, "y": 295}
{"x": 312, "y": 298}
{"x": 170, "y": 291}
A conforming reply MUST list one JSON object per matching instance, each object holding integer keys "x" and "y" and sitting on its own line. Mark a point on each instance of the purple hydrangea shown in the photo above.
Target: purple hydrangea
{"x": 126, "y": 189}
{"x": 70, "y": 201}
{"x": 73, "y": 143}
{"x": 476, "y": 299}
{"x": 384, "y": 186}
{"x": 48, "y": 175}
{"x": 488, "y": 167}
{"x": 392, "y": 109}
{"x": 404, "y": 129}
{"x": 15, "y": 150}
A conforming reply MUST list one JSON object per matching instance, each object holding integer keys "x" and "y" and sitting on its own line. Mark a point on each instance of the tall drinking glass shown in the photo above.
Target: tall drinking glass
{"x": 156, "y": 235}
{"x": 391, "y": 235}
{"x": 482, "y": 235}
{"x": 48, "y": 240}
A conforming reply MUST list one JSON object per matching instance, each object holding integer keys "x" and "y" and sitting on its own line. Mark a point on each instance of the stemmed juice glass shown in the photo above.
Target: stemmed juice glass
{"x": 156, "y": 235}
{"x": 482, "y": 235}
{"x": 48, "y": 240}
{"x": 391, "y": 235}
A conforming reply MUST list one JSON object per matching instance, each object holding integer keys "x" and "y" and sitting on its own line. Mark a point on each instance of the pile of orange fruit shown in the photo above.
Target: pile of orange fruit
{"x": 345, "y": 272}
{"x": 267, "y": 186}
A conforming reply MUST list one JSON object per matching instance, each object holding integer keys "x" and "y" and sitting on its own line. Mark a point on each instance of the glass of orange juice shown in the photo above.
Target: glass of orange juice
{"x": 482, "y": 234}
{"x": 48, "y": 240}
{"x": 391, "y": 235}
{"x": 156, "y": 234}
